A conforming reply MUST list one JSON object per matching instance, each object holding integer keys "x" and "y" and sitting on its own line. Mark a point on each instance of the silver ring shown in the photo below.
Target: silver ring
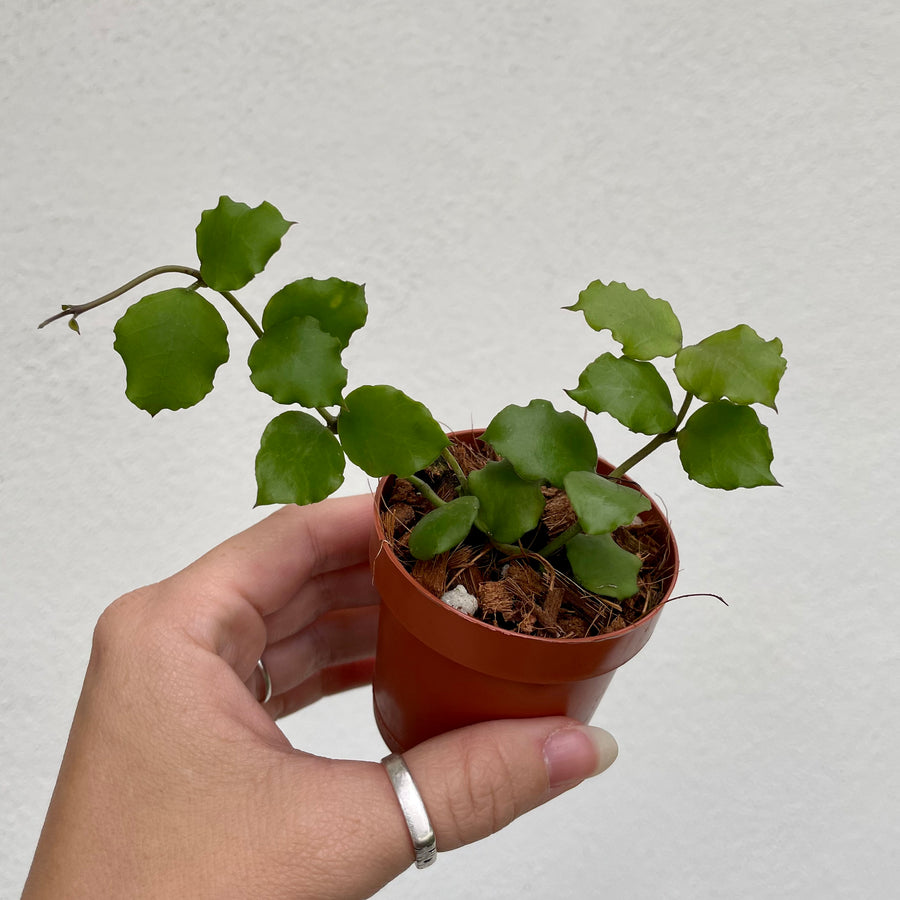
{"x": 413, "y": 809}
{"x": 267, "y": 681}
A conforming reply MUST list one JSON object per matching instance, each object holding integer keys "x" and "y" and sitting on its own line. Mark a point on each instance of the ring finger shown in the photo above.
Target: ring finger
{"x": 325, "y": 682}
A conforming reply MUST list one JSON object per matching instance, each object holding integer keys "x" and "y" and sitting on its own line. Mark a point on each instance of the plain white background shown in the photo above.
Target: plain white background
{"x": 477, "y": 165}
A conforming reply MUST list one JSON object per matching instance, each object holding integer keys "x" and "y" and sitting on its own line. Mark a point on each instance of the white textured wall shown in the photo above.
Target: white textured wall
{"x": 477, "y": 165}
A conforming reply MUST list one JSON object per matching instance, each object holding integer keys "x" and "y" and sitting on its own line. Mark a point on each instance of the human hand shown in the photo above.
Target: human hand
{"x": 177, "y": 782}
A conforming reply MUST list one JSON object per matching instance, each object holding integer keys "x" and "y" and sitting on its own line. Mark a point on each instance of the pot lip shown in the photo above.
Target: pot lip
{"x": 384, "y": 547}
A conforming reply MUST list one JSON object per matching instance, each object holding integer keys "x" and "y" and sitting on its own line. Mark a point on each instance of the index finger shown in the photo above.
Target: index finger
{"x": 267, "y": 564}
{"x": 221, "y": 599}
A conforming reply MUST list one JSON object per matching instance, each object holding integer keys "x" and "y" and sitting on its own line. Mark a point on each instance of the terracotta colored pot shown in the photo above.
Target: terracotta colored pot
{"x": 437, "y": 669}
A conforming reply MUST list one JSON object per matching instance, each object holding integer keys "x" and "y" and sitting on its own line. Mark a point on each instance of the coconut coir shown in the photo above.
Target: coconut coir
{"x": 525, "y": 593}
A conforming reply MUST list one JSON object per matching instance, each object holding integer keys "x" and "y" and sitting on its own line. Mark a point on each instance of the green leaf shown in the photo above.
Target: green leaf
{"x": 601, "y": 505}
{"x": 172, "y": 343}
{"x": 602, "y": 566}
{"x": 510, "y": 507}
{"x": 443, "y": 528}
{"x": 234, "y": 242}
{"x": 384, "y": 432}
{"x": 726, "y": 446}
{"x": 631, "y": 391}
{"x": 340, "y": 306}
{"x": 541, "y": 443}
{"x": 299, "y": 461}
{"x": 644, "y": 326}
{"x": 736, "y": 364}
{"x": 296, "y": 362}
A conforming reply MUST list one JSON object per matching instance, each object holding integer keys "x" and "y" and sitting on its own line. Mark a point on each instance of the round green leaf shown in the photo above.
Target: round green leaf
{"x": 340, "y": 306}
{"x": 602, "y": 566}
{"x": 541, "y": 443}
{"x": 510, "y": 507}
{"x": 645, "y": 327}
{"x": 234, "y": 242}
{"x": 726, "y": 446}
{"x": 384, "y": 432}
{"x": 601, "y": 505}
{"x": 296, "y": 362}
{"x": 443, "y": 528}
{"x": 299, "y": 461}
{"x": 631, "y": 391}
{"x": 171, "y": 343}
{"x": 736, "y": 364}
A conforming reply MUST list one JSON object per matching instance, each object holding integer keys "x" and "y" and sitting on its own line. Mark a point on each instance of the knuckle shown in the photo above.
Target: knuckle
{"x": 323, "y": 594}
{"x": 312, "y": 542}
{"x": 484, "y": 799}
{"x": 114, "y": 620}
{"x": 119, "y": 623}
{"x": 319, "y": 650}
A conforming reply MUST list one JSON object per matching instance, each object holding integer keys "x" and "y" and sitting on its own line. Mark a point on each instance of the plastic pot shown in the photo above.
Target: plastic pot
{"x": 437, "y": 669}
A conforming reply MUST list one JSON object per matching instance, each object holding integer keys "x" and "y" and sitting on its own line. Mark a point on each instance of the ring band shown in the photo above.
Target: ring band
{"x": 413, "y": 809}
{"x": 267, "y": 681}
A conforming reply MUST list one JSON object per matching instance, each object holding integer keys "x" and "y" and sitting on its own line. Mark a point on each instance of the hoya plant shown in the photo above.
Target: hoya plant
{"x": 172, "y": 343}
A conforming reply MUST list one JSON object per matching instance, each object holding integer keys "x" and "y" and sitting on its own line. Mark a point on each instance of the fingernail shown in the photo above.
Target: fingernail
{"x": 573, "y": 754}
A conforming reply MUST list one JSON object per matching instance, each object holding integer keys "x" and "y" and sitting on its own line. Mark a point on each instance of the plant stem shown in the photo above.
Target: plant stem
{"x": 560, "y": 541}
{"x": 451, "y": 461}
{"x": 426, "y": 491}
{"x": 152, "y": 273}
{"x": 75, "y": 311}
{"x": 509, "y": 549}
{"x": 241, "y": 311}
{"x": 330, "y": 420}
{"x": 657, "y": 441}
{"x": 643, "y": 453}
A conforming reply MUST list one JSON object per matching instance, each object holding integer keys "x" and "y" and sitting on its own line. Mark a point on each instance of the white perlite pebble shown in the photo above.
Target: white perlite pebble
{"x": 459, "y": 598}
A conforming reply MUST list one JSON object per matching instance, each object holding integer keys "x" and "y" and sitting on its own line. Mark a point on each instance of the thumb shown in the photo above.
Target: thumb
{"x": 346, "y": 818}
{"x": 476, "y": 780}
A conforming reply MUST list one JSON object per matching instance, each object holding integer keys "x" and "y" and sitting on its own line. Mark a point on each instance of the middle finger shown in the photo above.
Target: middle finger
{"x": 341, "y": 589}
